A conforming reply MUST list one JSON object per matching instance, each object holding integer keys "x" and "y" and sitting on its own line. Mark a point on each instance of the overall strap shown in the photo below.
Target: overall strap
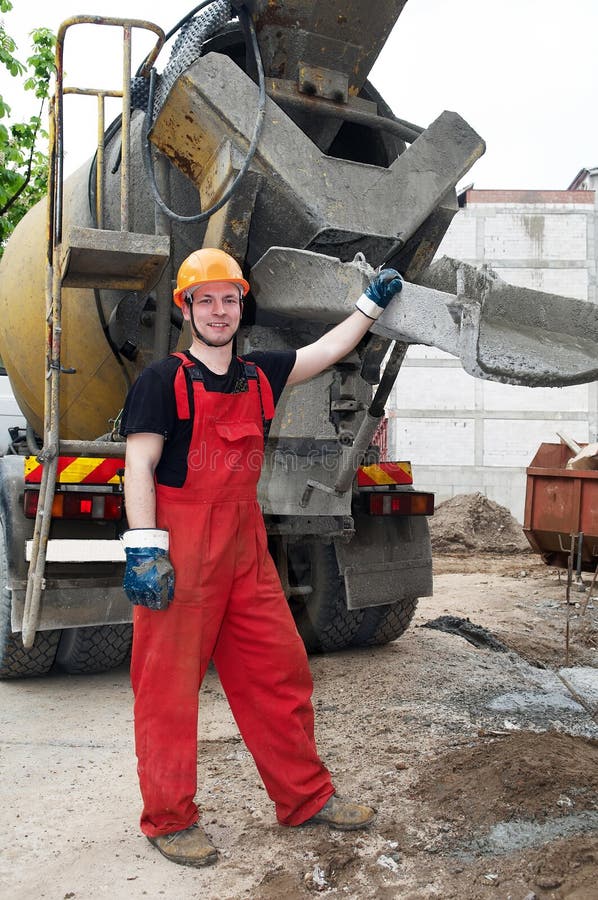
{"x": 180, "y": 384}
{"x": 253, "y": 372}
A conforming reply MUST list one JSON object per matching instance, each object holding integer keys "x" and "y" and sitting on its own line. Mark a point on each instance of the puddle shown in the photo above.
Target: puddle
{"x": 584, "y": 680}
{"x": 534, "y": 702}
{"x": 517, "y": 835}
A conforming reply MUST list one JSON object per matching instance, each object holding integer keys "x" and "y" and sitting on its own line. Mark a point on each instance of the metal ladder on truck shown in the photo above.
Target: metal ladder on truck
{"x": 84, "y": 257}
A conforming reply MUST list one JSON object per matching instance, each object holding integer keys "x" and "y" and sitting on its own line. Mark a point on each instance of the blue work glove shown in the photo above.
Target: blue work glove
{"x": 379, "y": 293}
{"x": 149, "y": 576}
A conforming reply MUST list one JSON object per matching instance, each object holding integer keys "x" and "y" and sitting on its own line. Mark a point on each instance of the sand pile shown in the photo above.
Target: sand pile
{"x": 473, "y": 522}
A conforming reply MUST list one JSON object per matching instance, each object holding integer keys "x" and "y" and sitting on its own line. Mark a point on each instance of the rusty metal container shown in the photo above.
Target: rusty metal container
{"x": 560, "y": 503}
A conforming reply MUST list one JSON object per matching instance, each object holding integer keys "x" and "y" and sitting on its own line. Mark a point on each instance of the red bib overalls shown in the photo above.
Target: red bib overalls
{"x": 228, "y": 606}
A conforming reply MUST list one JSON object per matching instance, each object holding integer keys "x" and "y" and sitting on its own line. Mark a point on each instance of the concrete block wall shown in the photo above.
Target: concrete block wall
{"x": 463, "y": 434}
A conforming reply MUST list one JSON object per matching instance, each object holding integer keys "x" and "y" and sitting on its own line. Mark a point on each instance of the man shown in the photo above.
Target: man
{"x": 198, "y": 568}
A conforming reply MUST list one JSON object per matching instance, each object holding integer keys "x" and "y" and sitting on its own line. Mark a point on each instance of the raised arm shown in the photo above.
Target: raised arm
{"x": 332, "y": 346}
{"x": 344, "y": 337}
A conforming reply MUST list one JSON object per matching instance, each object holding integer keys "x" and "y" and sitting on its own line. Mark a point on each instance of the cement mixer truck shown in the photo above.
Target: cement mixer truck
{"x": 262, "y": 135}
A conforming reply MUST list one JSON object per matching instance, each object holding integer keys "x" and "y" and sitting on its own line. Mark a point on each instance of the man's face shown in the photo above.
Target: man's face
{"x": 216, "y": 311}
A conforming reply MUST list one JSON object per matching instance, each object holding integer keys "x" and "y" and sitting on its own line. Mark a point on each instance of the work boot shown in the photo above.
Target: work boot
{"x": 190, "y": 847}
{"x": 343, "y": 815}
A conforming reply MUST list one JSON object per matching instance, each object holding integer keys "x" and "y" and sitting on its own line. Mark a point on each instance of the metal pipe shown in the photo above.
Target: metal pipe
{"x": 588, "y": 596}
{"x": 100, "y": 163}
{"x": 50, "y": 221}
{"x": 37, "y": 566}
{"x": 50, "y": 449}
{"x": 101, "y": 145}
{"x": 58, "y": 143}
{"x": 93, "y": 448}
{"x": 110, "y": 20}
{"x": 125, "y": 131}
{"x": 579, "y": 558}
{"x": 49, "y": 454}
{"x": 568, "y": 598}
{"x": 49, "y": 457}
{"x": 41, "y": 527}
{"x": 407, "y": 131}
{"x": 127, "y": 25}
{"x": 52, "y": 264}
{"x": 91, "y": 92}
{"x": 163, "y": 291}
{"x": 352, "y": 456}
{"x": 578, "y": 698}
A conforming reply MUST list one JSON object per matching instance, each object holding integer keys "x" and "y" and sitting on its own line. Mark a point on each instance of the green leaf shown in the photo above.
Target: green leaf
{"x": 23, "y": 145}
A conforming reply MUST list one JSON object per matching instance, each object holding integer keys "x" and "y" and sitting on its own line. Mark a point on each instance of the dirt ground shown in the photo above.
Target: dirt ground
{"x": 482, "y": 763}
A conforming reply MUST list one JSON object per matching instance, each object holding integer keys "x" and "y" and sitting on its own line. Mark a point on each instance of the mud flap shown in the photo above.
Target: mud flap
{"x": 386, "y": 561}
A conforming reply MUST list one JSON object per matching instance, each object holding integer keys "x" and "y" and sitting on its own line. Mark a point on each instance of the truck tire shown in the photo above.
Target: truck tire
{"x": 15, "y": 661}
{"x": 97, "y": 648}
{"x": 322, "y": 618}
{"x": 383, "y": 624}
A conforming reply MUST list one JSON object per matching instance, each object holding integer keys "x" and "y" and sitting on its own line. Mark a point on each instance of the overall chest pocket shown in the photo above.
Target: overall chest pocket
{"x": 237, "y": 431}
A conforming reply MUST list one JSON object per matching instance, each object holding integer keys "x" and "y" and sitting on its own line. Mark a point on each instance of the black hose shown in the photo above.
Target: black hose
{"x": 109, "y": 133}
{"x": 33, "y": 443}
{"x": 175, "y": 28}
{"x": 106, "y": 329}
{"x": 115, "y": 125}
{"x": 248, "y": 26}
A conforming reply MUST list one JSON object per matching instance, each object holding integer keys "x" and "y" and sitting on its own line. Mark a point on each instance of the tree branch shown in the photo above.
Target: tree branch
{"x": 18, "y": 193}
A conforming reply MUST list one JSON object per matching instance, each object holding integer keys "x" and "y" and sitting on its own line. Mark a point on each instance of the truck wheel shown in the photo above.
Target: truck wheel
{"x": 97, "y": 648}
{"x": 15, "y": 661}
{"x": 382, "y": 624}
{"x": 319, "y": 605}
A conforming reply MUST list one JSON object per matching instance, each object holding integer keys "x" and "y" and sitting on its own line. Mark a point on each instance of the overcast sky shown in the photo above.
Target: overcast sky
{"x": 523, "y": 73}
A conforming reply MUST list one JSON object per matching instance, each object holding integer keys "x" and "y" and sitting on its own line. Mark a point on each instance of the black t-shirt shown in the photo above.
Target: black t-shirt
{"x": 150, "y": 406}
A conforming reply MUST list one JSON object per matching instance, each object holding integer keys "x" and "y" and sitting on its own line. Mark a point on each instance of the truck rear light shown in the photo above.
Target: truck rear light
{"x": 98, "y": 507}
{"x": 422, "y": 505}
{"x": 400, "y": 503}
{"x": 113, "y": 506}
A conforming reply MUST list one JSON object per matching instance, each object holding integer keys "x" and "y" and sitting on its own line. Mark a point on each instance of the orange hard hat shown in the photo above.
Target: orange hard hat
{"x": 206, "y": 266}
